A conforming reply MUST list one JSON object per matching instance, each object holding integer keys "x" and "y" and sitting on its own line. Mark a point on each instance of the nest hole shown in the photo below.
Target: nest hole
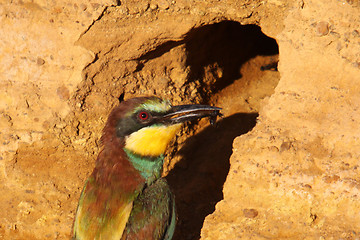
{"x": 236, "y": 66}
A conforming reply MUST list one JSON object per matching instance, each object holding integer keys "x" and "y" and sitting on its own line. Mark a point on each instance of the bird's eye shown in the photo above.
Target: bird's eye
{"x": 143, "y": 116}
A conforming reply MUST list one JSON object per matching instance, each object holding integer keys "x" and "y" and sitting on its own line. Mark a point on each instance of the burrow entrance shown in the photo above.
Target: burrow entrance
{"x": 237, "y": 68}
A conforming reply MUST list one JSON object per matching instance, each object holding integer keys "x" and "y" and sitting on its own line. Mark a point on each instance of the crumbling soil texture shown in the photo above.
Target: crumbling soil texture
{"x": 283, "y": 161}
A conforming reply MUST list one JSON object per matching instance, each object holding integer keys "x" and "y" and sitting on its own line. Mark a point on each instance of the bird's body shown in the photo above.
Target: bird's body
{"x": 125, "y": 196}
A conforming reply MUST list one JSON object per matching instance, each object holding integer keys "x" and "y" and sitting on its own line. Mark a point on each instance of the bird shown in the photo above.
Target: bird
{"x": 125, "y": 196}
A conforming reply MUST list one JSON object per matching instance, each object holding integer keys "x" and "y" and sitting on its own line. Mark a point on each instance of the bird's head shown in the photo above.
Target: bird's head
{"x": 146, "y": 125}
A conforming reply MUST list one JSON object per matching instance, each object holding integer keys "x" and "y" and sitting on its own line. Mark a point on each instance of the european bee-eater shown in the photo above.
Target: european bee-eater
{"x": 125, "y": 196}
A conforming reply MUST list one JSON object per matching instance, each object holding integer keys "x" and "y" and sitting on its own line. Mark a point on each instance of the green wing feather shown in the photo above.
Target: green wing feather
{"x": 101, "y": 213}
{"x": 153, "y": 214}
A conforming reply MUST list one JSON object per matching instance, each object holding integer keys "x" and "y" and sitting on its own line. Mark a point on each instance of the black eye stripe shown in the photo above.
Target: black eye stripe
{"x": 133, "y": 123}
{"x": 146, "y": 118}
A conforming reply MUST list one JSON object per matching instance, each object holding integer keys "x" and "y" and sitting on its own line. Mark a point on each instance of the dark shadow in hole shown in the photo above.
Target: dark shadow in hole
{"x": 197, "y": 180}
{"x": 228, "y": 44}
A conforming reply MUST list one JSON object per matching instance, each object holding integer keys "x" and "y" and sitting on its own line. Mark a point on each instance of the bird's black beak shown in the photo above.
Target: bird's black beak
{"x": 183, "y": 113}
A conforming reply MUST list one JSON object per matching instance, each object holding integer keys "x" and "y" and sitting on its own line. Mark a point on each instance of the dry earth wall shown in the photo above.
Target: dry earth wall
{"x": 283, "y": 162}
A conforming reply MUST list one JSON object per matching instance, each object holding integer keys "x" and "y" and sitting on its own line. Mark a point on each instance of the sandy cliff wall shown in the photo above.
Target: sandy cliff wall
{"x": 282, "y": 163}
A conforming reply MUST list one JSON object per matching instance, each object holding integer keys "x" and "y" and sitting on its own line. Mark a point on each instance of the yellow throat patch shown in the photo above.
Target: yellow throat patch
{"x": 152, "y": 140}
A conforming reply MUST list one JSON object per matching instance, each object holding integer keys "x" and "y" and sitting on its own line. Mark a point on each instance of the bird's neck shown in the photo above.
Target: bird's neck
{"x": 150, "y": 168}
{"x": 114, "y": 170}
